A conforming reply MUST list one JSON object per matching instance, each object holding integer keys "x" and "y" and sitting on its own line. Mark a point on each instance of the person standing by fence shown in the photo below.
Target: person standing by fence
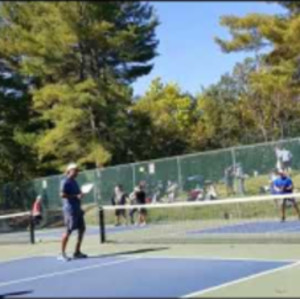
{"x": 286, "y": 160}
{"x": 240, "y": 179}
{"x": 229, "y": 180}
{"x": 141, "y": 200}
{"x": 119, "y": 198}
{"x": 132, "y": 201}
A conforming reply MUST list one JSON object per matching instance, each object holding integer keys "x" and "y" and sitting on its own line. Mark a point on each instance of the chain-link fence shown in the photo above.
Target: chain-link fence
{"x": 235, "y": 171}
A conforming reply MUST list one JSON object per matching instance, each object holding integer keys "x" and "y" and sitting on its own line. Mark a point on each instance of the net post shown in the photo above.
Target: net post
{"x": 102, "y": 225}
{"x": 31, "y": 228}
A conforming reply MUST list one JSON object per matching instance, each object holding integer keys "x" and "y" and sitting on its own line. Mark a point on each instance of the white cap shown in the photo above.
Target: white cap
{"x": 280, "y": 170}
{"x": 71, "y": 166}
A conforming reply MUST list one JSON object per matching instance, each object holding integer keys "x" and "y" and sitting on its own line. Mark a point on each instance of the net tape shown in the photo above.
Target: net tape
{"x": 259, "y": 198}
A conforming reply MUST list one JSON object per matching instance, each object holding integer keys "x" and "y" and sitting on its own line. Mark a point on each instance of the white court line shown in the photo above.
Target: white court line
{"x": 211, "y": 257}
{"x": 52, "y": 253}
{"x": 197, "y": 293}
{"x": 208, "y": 257}
{"x": 26, "y": 257}
{"x": 57, "y": 273}
{"x": 36, "y": 255}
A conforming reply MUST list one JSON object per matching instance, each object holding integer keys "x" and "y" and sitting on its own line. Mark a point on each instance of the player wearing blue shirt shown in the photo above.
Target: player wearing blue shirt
{"x": 73, "y": 214}
{"x": 284, "y": 185}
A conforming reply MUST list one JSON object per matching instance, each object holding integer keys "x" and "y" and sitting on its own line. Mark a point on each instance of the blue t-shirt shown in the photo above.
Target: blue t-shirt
{"x": 283, "y": 182}
{"x": 70, "y": 187}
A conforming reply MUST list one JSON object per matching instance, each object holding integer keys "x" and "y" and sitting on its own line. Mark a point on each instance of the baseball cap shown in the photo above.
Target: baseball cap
{"x": 71, "y": 166}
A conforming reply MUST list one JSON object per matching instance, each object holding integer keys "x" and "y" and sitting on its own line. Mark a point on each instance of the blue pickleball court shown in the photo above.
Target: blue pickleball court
{"x": 125, "y": 276}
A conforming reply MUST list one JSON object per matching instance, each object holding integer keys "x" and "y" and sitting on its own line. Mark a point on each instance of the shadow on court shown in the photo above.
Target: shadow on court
{"x": 128, "y": 252}
{"x": 13, "y": 294}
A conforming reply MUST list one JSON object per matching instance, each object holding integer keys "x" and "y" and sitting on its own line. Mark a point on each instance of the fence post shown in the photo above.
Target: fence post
{"x": 233, "y": 156}
{"x": 133, "y": 176}
{"x": 179, "y": 173}
{"x": 97, "y": 193}
{"x": 234, "y": 166}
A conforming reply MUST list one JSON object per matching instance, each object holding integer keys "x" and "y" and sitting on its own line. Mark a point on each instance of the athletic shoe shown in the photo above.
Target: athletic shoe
{"x": 79, "y": 255}
{"x": 63, "y": 257}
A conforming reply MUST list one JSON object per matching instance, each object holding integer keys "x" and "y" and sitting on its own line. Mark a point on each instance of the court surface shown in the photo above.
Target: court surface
{"x": 262, "y": 227}
{"x": 125, "y": 276}
{"x": 153, "y": 270}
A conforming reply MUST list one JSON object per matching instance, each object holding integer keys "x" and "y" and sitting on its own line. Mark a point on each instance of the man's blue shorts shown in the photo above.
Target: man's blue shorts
{"x": 74, "y": 219}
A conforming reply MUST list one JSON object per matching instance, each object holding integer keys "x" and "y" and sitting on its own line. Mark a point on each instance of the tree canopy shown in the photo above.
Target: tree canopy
{"x": 66, "y": 74}
{"x": 81, "y": 58}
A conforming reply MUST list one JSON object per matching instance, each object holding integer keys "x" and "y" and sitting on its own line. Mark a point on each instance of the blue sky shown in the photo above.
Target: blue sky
{"x": 188, "y": 54}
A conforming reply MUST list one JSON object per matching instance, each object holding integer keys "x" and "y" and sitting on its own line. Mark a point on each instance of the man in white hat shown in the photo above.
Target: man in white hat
{"x": 73, "y": 214}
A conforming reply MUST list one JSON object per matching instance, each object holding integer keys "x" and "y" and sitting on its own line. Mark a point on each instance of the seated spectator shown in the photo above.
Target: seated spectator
{"x": 210, "y": 191}
{"x": 171, "y": 191}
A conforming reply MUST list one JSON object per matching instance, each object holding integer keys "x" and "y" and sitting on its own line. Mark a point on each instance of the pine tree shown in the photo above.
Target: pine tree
{"x": 17, "y": 157}
{"x": 82, "y": 58}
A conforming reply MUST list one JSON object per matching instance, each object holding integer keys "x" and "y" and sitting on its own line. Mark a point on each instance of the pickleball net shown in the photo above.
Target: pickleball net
{"x": 16, "y": 228}
{"x": 255, "y": 219}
